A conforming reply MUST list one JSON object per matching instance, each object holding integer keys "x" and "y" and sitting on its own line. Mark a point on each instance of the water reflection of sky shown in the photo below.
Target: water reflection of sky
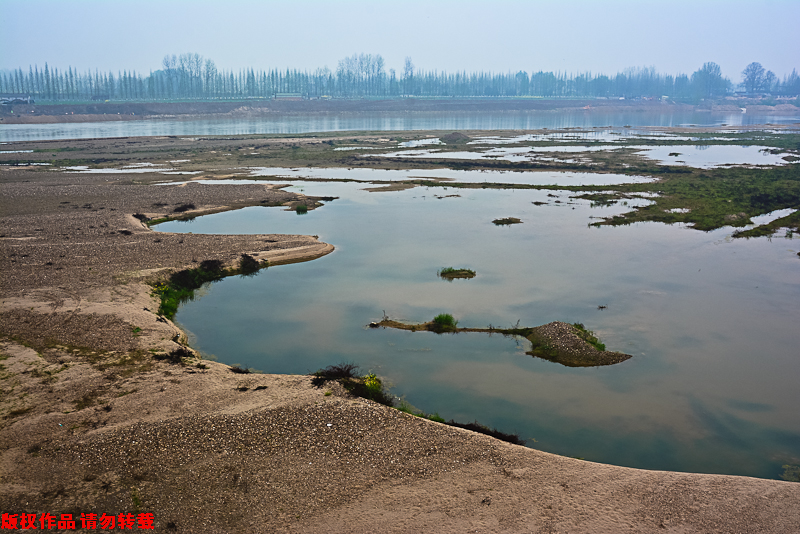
{"x": 709, "y": 320}
{"x": 481, "y": 176}
{"x": 299, "y": 123}
{"x": 701, "y": 156}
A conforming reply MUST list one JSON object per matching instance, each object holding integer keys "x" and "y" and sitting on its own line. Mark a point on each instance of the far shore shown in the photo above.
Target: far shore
{"x": 55, "y": 113}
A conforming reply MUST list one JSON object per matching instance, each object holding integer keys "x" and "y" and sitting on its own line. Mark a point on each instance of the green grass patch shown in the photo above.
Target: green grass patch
{"x": 588, "y": 336}
{"x": 715, "y": 198}
{"x": 791, "y": 222}
{"x": 791, "y": 473}
{"x": 180, "y": 286}
{"x": 444, "y": 322}
{"x": 474, "y": 426}
{"x": 370, "y": 386}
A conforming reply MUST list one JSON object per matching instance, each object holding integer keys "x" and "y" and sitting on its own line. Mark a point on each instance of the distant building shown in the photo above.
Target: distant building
{"x": 288, "y": 96}
{"x": 16, "y": 98}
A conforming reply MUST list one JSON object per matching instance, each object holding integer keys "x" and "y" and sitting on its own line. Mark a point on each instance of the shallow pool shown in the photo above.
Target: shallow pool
{"x": 710, "y": 321}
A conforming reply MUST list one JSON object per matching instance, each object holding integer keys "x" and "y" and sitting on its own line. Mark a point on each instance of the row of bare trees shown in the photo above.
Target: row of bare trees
{"x": 190, "y": 76}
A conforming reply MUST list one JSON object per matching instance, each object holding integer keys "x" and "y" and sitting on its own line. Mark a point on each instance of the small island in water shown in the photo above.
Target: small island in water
{"x": 571, "y": 345}
{"x": 451, "y": 273}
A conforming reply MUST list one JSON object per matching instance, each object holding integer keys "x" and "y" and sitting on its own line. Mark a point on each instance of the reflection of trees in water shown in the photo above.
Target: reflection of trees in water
{"x": 701, "y": 147}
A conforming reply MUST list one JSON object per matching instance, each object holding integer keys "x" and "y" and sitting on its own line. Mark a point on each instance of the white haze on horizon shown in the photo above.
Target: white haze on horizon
{"x": 570, "y": 36}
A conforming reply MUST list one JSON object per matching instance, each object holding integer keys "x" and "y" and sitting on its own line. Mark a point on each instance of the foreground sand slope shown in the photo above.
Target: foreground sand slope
{"x": 93, "y": 423}
{"x": 207, "y": 450}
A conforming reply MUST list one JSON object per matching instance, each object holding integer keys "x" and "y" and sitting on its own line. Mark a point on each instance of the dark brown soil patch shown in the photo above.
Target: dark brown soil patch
{"x": 455, "y": 138}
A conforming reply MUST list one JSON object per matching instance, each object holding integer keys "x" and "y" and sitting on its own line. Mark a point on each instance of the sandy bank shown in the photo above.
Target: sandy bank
{"x": 92, "y": 421}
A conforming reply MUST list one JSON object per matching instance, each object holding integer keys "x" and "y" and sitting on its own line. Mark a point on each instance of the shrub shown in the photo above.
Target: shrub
{"x": 791, "y": 473}
{"x": 212, "y": 266}
{"x": 176, "y": 356}
{"x": 342, "y": 370}
{"x": 184, "y": 207}
{"x": 445, "y": 319}
{"x": 301, "y": 209}
{"x": 373, "y": 385}
{"x": 181, "y": 285}
{"x": 435, "y": 417}
{"x": 248, "y": 264}
{"x": 368, "y": 386}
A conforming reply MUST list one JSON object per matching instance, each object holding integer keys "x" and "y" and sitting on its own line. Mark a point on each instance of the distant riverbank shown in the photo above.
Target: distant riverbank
{"x": 126, "y": 111}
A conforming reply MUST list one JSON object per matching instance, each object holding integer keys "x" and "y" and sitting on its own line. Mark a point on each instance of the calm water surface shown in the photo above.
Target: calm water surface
{"x": 701, "y": 156}
{"x": 711, "y": 322}
{"x": 296, "y": 124}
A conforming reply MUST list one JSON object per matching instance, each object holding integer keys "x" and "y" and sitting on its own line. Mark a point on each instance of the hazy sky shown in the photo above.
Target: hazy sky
{"x": 675, "y": 36}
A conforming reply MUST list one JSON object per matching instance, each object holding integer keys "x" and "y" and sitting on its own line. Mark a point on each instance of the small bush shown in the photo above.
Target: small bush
{"x": 369, "y": 386}
{"x": 182, "y": 284}
{"x": 335, "y": 372}
{"x": 791, "y": 473}
{"x": 239, "y": 370}
{"x": 212, "y": 266}
{"x": 302, "y": 209}
{"x": 445, "y": 319}
{"x": 176, "y": 356}
{"x": 184, "y": 207}
{"x": 435, "y": 417}
{"x": 248, "y": 264}
{"x": 373, "y": 384}
{"x": 141, "y": 216}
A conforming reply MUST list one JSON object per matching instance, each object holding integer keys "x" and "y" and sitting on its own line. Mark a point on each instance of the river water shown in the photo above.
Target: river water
{"x": 710, "y": 321}
{"x": 298, "y": 124}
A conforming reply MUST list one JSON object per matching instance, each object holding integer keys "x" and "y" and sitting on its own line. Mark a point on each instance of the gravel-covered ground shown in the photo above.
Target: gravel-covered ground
{"x": 92, "y": 422}
{"x": 563, "y": 345}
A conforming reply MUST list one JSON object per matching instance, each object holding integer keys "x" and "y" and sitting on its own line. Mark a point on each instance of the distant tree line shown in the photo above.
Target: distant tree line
{"x": 191, "y": 77}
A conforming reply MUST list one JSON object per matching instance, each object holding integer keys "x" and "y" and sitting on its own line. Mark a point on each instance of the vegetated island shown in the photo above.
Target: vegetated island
{"x": 506, "y": 221}
{"x": 571, "y": 345}
{"x": 451, "y": 273}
